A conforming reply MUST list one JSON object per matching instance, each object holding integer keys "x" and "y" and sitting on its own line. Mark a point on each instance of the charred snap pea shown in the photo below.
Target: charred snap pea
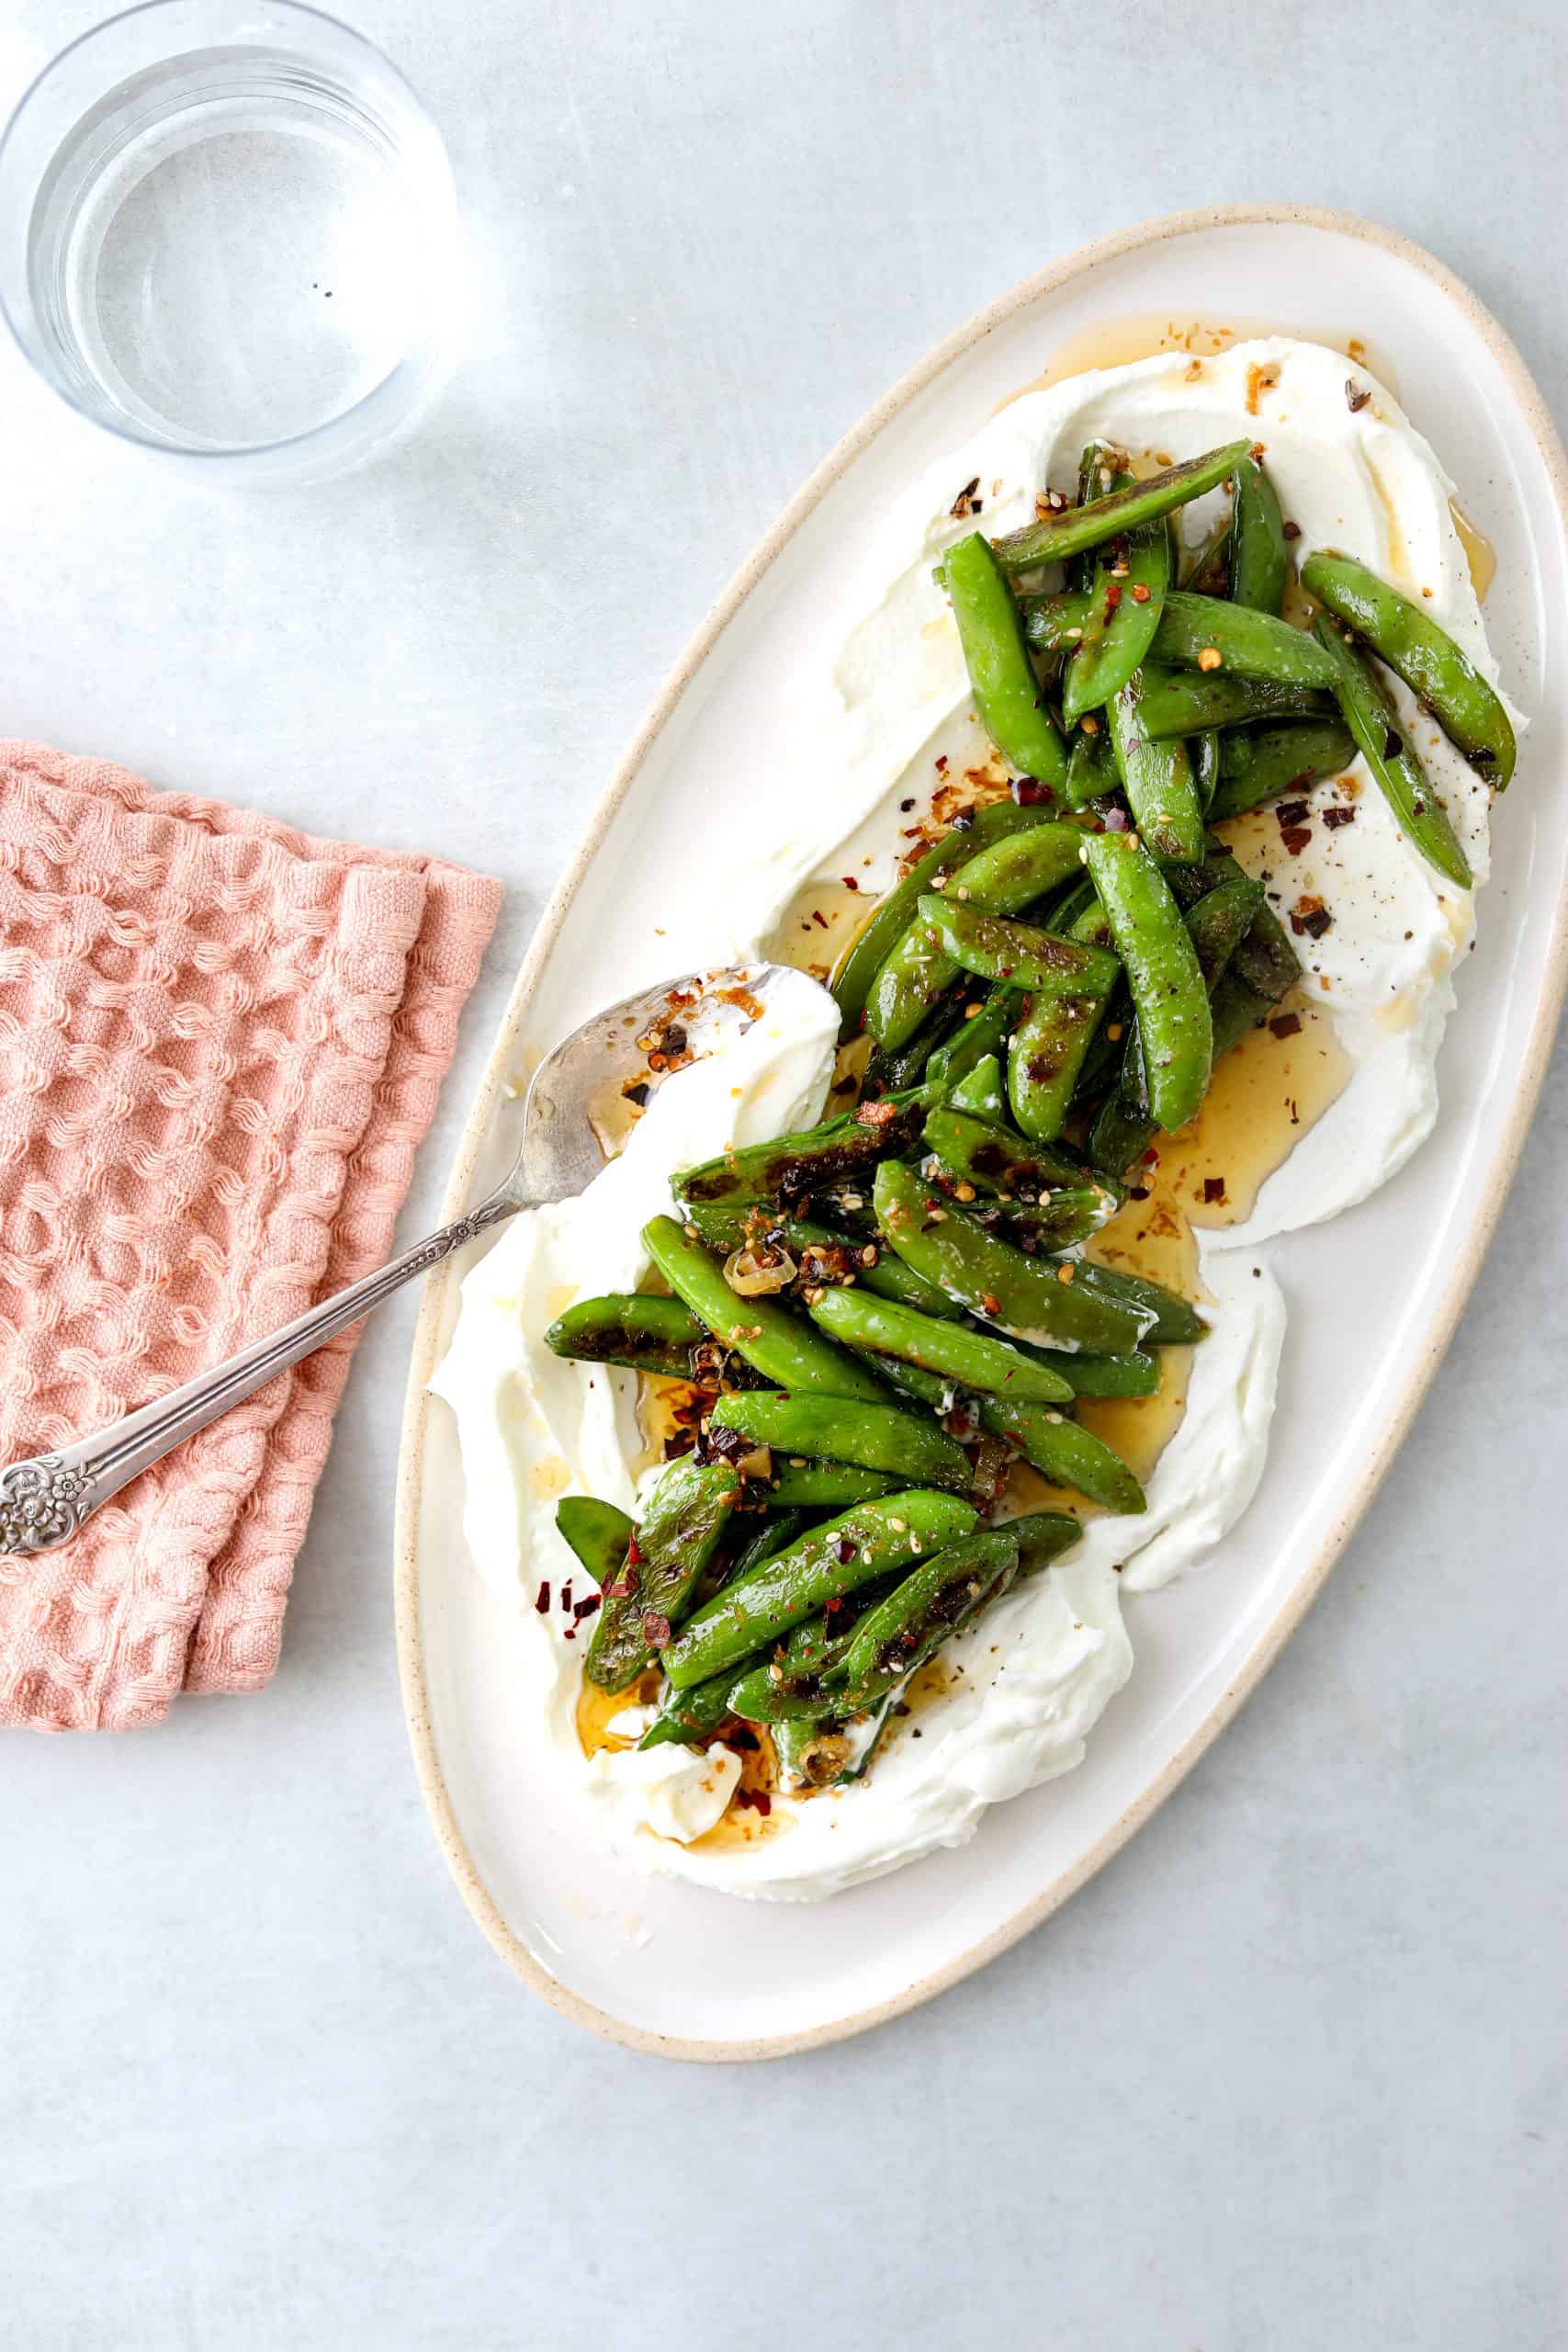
{"x": 825, "y": 1486}
{"x": 1440, "y": 672}
{"x": 823, "y": 1566}
{"x": 1092, "y": 771}
{"x": 1260, "y": 763}
{"x": 1265, "y": 959}
{"x": 1043, "y": 1536}
{"x": 1157, "y": 779}
{"x": 983, "y": 1033}
{"x": 1032, "y": 1298}
{"x": 1205, "y": 755}
{"x": 1126, "y": 591}
{"x": 1396, "y": 771}
{"x": 901, "y": 1633}
{"x": 1046, "y": 1054}
{"x": 1186, "y": 702}
{"x": 1170, "y": 1320}
{"x": 1007, "y": 694}
{"x": 689, "y": 1718}
{"x": 1168, "y": 994}
{"x": 868, "y": 949}
{"x": 838, "y": 1429}
{"x": 967, "y": 1358}
{"x": 650, "y": 1334}
{"x": 1063, "y": 1220}
{"x": 1002, "y": 880}
{"x": 1018, "y": 954}
{"x": 597, "y": 1533}
{"x": 686, "y": 1514}
{"x": 1259, "y": 564}
{"x": 1065, "y": 1452}
{"x": 812, "y": 1161}
{"x": 1130, "y": 1375}
{"x": 982, "y": 1091}
{"x": 820, "y": 1254}
{"x": 779, "y": 1346}
{"x": 994, "y": 1159}
{"x": 1201, "y": 633}
{"x": 898, "y": 1072}
{"x": 1062, "y": 535}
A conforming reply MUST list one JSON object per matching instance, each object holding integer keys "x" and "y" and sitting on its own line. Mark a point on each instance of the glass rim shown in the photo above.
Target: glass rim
{"x": 239, "y": 457}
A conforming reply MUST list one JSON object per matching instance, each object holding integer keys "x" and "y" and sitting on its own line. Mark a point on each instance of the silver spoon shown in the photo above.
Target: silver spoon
{"x": 44, "y": 1500}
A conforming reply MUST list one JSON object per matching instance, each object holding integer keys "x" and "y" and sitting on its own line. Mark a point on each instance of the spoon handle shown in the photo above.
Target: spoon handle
{"x": 44, "y": 1500}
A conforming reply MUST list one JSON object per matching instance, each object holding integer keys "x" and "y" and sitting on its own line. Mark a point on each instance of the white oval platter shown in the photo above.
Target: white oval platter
{"x": 666, "y": 1968}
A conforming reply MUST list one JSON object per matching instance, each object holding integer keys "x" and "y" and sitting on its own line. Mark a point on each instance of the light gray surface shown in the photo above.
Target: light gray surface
{"x": 1291, "y": 2072}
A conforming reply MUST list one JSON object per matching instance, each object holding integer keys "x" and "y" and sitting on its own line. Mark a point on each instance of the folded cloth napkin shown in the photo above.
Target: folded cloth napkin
{"x": 220, "y": 1043}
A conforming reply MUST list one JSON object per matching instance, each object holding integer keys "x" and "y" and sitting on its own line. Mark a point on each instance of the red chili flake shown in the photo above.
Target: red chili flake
{"x": 875, "y": 1114}
{"x": 1392, "y": 744}
{"x": 756, "y": 1800}
{"x": 1417, "y": 807}
{"x": 1310, "y": 919}
{"x": 964, "y": 501}
{"x": 1295, "y": 838}
{"x": 844, "y": 1549}
{"x": 543, "y": 1602}
{"x": 818, "y": 918}
{"x": 1358, "y": 399}
{"x": 848, "y": 882}
{"x": 1138, "y": 1193}
{"x": 1117, "y": 821}
{"x": 1112, "y": 596}
{"x": 1339, "y": 815}
{"x": 1286, "y": 1024}
{"x": 655, "y": 1628}
{"x": 620, "y": 1591}
{"x": 1291, "y": 530}
{"x": 586, "y": 1608}
{"x": 1151, "y": 1160}
{"x": 905, "y": 806}
{"x": 1029, "y": 791}
{"x": 1257, "y": 452}
{"x": 1290, "y": 813}
{"x": 635, "y": 1555}
{"x": 1213, "y": 1189}
{"x": 1141, "y": 593}
{"x": 566, "y": 1594}
{"x": 990, "y": 1302}
{"x": 941, "y": 763}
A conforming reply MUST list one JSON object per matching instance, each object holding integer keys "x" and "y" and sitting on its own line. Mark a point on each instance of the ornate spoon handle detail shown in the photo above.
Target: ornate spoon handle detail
{"x": 44, "y": 1501}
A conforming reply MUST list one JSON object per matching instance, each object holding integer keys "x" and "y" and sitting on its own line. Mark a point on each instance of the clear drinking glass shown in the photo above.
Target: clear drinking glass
{"x": 229, "y": 233}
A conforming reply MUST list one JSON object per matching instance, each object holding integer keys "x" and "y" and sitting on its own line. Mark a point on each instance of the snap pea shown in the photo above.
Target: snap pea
{"x": 1259, "y": 564}
{"x": 1047, "y": 1049}
{"x": 1440, "y": 672}
{"x": 1396, "y": 771}
{"x": 1157, "y": 777}
{"x": 821, "y": 1254}
{"x": 934, "y": 1601}
{"x": 1265, "y": 959}
{"x": 1206, "y": 570}
{"x": 1059, "y": 537}
{"x": 597, "y": 1533}
{"x": 1260, "y": 763}
{"x": 1063, "y": 1219}
{"x": 1250, "y": 644}
{"x": 1169, "y": 1321}
{"x": 1163, "y": 972}
{"x": 813, "y": 1159}
{"x": 822, "y": 1565}
{"x": 898, "y": 1071}
{"x": 1002, "y": 880}
{"x": 838, "y": 1429}
{"x": 969, "y": 1358}
{"x": 681, "y": 1522}
{"x": 1007, "y": 694}
{"x": 689, "y": 1718}
{"x": 994, "y": 1159}
{"x": 779, "y": 1346}
{"x": 981, "y": 1034}
{"x": 1130, "y": 1376}
{"x": 775, "y": 1531}
{"x": 826, "y": 1485}
{"x": 1065, "y": 1452}
{"x": 650, "y": 1334}
{"x": 868, "y": 949}
{"x": 1032, "y": 1298}
{"x": 1205, "y": 755}
{"x": 1125, "y": 599}
{"x": 1185, "y": 702}
{"x": 1238, "y": 1007}
{"x": 1092, "y": 771}
{"x": 1019, "y": 955}
{"x": 1043, "y": 1536}
{"x": 982, "y": 1091}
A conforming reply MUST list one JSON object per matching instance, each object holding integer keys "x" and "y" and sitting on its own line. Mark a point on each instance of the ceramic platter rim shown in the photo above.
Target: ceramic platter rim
{"x": 1441, "y": 1312}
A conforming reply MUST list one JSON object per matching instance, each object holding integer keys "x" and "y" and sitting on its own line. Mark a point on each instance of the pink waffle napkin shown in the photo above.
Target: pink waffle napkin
{"x": 221, "y": 1044}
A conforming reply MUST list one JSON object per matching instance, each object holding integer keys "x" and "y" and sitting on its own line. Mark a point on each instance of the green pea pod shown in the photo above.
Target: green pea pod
{"x": 994, "y": 1159}
{"x": 1265, "y": 959}
{"x": 597, "y": 1533}
{"x": 1006, "y": 694}
{"x": 868, "y": 949}
{"x": 1043, "y": 1536}
{"x": 1169, "y": 1321}
{"x": 1065, "y": 1452}
{"x": 1050, "y": 1046}
{"x": 649, "y": 1334}
{"x": 840, "y": 1429}
{"x": 1060, "y": 536}
{"x": 1250, "y": 644}
{"x": 1467, "y": 707}
{"x": 681, "y": 1522}
{"x": 827, "y": 1485}
{"x": 1168, "y": 994}
{"x": 1030, "y": 1299}
{"x": 780, "y": 1346}
{"x": 982, "y": 1091}
{"x": 970, "y": 1359}
{"x": 897, "y": 1073}
{"x": 1126, "y": 598}
{"x": 821, "y": 1254}
{"x": 1205, "y": 757}
{"x": 982, "y": 1034}
{"x": 1157, "y": 779}
{"x": 1396, "y": 771}
{"x": 1260, "y": 763}
{"x": 1238, "y": 1007}
{"x": 1066, "y": 1219}
{"x": 823, "y": 1566}
{"x": 1259, "y": 564}
{"x": 934, "y": 1601}
{"x": 1091, "y": 770}
{"x": 813, "y": 1159}
{"x": 1018, "y": 955}
{"x": 1002, "y": 880}
{"x": 1130, "y": 1375}
{"x": 689, "y": 1718}
{"x": 1187, "y": 702}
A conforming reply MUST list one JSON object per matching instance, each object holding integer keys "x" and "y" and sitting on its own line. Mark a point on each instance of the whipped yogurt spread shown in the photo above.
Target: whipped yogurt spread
{"x": 1026, "y": 1684}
